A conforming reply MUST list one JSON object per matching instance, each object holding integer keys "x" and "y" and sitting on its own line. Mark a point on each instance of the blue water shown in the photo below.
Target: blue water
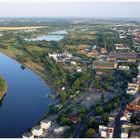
{"x": 47, "y": 38}
{"x": 25, "y": 102}
{"x": 61, "y": 32}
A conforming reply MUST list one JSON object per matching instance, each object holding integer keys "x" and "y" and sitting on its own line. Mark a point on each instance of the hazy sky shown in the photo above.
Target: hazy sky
{"x": 42, "y": 8}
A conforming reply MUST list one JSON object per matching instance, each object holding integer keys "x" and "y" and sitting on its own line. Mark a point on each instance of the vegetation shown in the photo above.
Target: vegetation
{"x": 3, "y": 87}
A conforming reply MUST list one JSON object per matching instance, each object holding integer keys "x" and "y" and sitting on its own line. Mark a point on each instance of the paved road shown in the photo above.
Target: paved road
{"x": 117, "y": 127}
{"x": 76, "y": 133}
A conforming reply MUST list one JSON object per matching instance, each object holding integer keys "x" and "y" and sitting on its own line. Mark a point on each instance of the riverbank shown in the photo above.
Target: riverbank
{"x": 38, "y": 69}
{"x": 3, "y": 88}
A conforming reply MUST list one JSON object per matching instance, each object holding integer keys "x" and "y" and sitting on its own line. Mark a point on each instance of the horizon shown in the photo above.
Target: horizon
{"x": 68, "y": 9}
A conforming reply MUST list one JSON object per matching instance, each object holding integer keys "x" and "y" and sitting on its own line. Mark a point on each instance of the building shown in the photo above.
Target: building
{"x": 59, "y": 106}
{"x": 45, "y": 124}
{"x": 121, "y": 47}
{"x": 61, "y": 57}
{"x": 132, "y": 89}
{"x": 93, "y": 53}
{"x": 133, "y": 107}
{"x": 27, "y": 135}
{"x": 103, "y": 50}
{"x": 126, "y": 116}
{"x": 106, "y": 132}
{"x": 124, "y": 133}
{"x": 37, "y": 131}
{"x": 73, "y": 63}
{"x": 60, "y": 130}
{"x": 124, "y": 56}
{"x": 135, "y": 134}
{"x": 105, "y": 65}
{"x": 74, "y": 118}
{"x": 124, "y": 68}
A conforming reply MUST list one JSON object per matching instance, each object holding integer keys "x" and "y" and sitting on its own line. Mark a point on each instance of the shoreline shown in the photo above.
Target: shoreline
{"x": 5, "y": 90}
{"x": 44, "y": 77}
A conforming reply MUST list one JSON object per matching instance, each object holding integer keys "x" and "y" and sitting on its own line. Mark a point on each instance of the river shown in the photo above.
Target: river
{"x": 25, "y": 102}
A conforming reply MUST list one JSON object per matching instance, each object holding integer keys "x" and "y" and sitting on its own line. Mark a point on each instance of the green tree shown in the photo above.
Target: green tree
{"x": 89, "y": 133}
{"x": 63, "y": 97}
{"x": 99, "y": 110}
{"x": 91, "y": 121}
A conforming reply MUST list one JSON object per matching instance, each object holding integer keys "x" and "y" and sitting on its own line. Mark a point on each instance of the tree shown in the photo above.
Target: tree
{"x": 89, "y": 133}
{"x": 63, "y": 97}
{"x": 91, "y": 121}
{"x": 76, "y": 85}
{"x": 64, "y": 120}
{"x": 99, "y": 110}
{"x": 102, "y": 98}
{"x": 105, "y": 116}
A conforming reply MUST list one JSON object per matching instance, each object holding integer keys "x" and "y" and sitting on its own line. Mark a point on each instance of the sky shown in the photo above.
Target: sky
{"x": 69, "y": 8}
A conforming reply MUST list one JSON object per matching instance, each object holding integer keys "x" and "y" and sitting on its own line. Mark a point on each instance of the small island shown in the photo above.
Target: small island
{"x": 3, "y": 87}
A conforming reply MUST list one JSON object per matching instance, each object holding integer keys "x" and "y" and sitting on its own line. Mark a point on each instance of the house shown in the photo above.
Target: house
{"x": 74, "y": 118}
{"x": 103, "y": 50}
{"x": 27, "y": 135}
{"x": 60, "y": 57}
{"x": 37, "y": 131}
{"x": 126, "y": 125}
{"x": 106, "y": 132}
{"x": 132, "y": 89}
{"x": 121, "y": 47}
{"x": 103, "y": 131}
{"x": 59, "y": 106}
{"x": 45, "y": 124}
{"x": 78, "y": 69}
{"x": 105, "y": 65}
{"x": 126, "y": 116}
{"x": 93, "y": 53}
{"x": 60, "y": 130}
{"x": 133, "y": 107}
{"x": 124, "y": 55}
{"x": 124, "y": 67}
{"x": 124, "y": 133}
{"x": 135, "y": 134}
{"x": 73, "y": 63}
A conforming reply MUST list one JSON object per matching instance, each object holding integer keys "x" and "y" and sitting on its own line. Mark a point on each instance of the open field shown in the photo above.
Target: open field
{"x": 21, "y": 28}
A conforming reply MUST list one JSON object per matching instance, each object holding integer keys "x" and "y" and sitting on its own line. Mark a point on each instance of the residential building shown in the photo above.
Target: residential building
{"x": 121, "y": 67}
{"x": 45, "y": 124}
{"x": 133, "y": 107}
{"x": 124, "y": 133}
{"x": 126, "y": 116}
{"x": 37, "y": 131}
{"x": 93, "y": 53}
{"x": 135, "y": 134}
{"x": 121, "y": 47}
{"x": 103, "y": 50}
{"x": 105, "y": 65}
{"x": 132, "y": 89}
{"x": 27, "y": 135}
{"x": 60, "y": 130}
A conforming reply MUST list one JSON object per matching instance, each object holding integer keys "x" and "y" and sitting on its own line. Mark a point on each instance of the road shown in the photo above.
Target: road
{"x": 117, "y": 127}
{"x": 76, "y": 133}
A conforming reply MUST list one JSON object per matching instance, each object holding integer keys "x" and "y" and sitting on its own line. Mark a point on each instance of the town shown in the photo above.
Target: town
{"x": 98, "y": 84}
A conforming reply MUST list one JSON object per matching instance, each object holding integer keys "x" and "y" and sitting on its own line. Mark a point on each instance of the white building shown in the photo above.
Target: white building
{"x": 124, "y": 133}
{"x": 124, "y": 68}
{"x": 27, "y": 135}
{"x": 37, "y": 131}
{"x": 45, "y": 124}
{"x": 60, "y": 130}
{"x": 121, "y": 47}
{"x": 132, "y": 88}
{"x": 126, "y": 116}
